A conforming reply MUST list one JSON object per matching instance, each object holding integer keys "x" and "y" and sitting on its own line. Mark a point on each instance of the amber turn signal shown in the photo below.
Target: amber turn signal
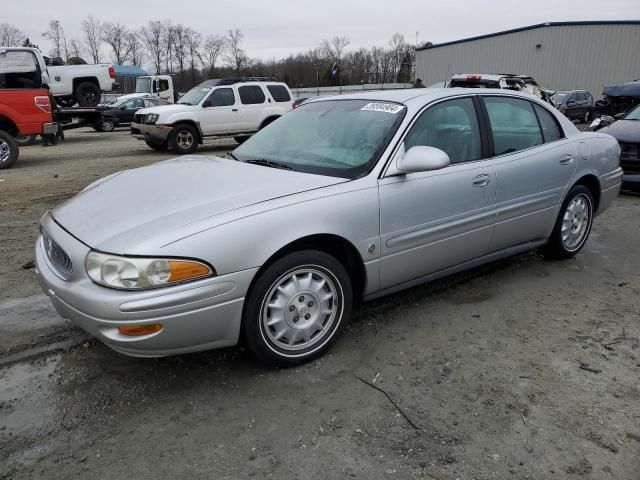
{"x": 181, "y": 271}
{"x": 139, "y": 330}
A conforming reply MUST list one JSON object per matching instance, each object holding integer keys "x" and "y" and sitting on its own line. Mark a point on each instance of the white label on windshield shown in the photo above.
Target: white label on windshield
{"x": 383, "y": 107}
{"x": 204, "y": 89}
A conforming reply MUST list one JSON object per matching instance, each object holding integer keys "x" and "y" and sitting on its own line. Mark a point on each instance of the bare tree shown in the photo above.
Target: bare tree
{"x": 75, "y": 48}
{"x": 55, "y": 35}
{"x": 214, "y": 46}
{"x": 179, "y": 46}
{"x": 193, "y": 40}
{"x": 168, "y": 39}
{"x": 235, "y": 56}
{"x": 152, "y": 36}
{"x": 135, "y": 49}
{"x": 335, "y": 47}
{"x": 92, "y": 29}
{"x": 115, "y": 35}
{"x": 10, "y": 36}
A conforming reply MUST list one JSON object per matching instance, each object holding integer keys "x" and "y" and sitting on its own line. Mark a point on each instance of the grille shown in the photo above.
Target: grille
{"x": 138, "y": 118}
{"x": 57, "y": 256}
{"x": 630, "y": 157}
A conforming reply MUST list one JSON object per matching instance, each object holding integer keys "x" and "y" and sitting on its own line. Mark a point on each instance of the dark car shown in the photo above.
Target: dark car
{"x": 575, "y": 104}
{"x": 121, "y": 111}
{"x": 627, "y": 131}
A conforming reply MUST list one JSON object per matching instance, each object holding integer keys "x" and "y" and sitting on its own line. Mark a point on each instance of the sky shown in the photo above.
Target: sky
{"x": 277, "y": 28}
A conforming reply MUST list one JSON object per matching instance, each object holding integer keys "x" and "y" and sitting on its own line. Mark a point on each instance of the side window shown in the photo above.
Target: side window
{"x": 572, "y": 98}
{"x": 222, "y": 97}
{"x": 451, "y": 126}
{"x": 164, "y": 85}
{"x": 130, "y": 104}
{"x": 251, "y": 94}
{"x": 279, "y": 93}
{"x": 514, "y": 125}
{"x": 550, "y": 129}
{"x": 151, "y": 102}
{"x": 138, "y": 103}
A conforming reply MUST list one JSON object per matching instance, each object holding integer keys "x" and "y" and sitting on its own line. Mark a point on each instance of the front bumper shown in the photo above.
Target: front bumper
{"x": 631, "y": 181}
{"x": 152, "y": 133}
{"x": 195, "y": 316}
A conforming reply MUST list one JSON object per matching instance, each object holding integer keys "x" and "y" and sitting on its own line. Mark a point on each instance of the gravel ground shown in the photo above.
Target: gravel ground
{"x": 522, "y": 369}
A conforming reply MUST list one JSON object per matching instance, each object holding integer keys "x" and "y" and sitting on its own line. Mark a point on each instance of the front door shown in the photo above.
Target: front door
{"x": 220, "y": 113}
{"x": 430, "y": 221}
{"x": 533, "y": 162}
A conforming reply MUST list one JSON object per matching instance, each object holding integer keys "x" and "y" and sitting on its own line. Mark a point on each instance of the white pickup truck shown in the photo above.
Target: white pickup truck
{"x": 81, "y": 84}
{"x": 232, "y": 107}
{"x": 159, "y": 86}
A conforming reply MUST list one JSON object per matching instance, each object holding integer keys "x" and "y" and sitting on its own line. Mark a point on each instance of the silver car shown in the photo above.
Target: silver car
{"x": 343, "y": 199}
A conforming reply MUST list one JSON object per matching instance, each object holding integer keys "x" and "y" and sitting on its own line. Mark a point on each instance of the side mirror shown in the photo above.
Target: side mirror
{"x": 422, "y": 159}
{"x": 207, "y": 104}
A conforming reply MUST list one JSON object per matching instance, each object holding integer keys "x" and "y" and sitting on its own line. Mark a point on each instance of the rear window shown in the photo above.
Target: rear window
{"x": 279, "y": 93}
{"x": 19, "y": 70}
{"x": 251, "y": 94}
{"x": 474, "y": 84}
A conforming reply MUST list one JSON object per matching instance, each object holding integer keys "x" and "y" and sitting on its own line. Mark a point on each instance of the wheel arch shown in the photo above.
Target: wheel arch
{"x": 191, "y": 123}
{"x": 77, "y": 81}
{"x": 338, "y": 247}
{"x": 593, "y": 184}
{"x": 8, "y": 125}
{"x": 268, "y": 120}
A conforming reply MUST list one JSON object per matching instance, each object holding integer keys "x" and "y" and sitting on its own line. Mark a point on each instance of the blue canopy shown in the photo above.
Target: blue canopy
{"x": 129, "y": 71}
{"x": 631, "y": 89}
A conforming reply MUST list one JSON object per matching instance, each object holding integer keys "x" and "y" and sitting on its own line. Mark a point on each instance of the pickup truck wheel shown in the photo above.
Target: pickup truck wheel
{"x": 25, "y": 140}
{"x": 183, "y": 139}
{"x": 156, "y": 146}
{"x": 87, "y": 94}
{"x": 9, "y": 150}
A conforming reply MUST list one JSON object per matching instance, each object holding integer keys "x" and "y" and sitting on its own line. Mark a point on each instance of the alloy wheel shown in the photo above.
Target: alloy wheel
{"x": 576, "y": 222}
{"x": 300, "y": 309}
{"x": 184, "y": 139}
{"x": 5, "y": 151}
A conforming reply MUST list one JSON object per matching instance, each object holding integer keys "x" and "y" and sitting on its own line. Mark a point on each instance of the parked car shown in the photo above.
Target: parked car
{"x": 81, "y": 84}
{"x": 345, "y": 198}
{"x": 232, "y": 107}
{"x": 574, "y": 104}
{"x": 159, "y": 86}
{"x": 627, "y": 131}
{"x": 25, "y": 105}
{"x": 121, "y": 111}
{"x": 618, "y": 99}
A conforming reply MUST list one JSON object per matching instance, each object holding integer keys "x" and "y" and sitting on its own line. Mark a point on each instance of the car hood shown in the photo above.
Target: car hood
{"x": 154, "y": 205}
{"x": 624, "y": 130}
{"x": 167, "y": 109}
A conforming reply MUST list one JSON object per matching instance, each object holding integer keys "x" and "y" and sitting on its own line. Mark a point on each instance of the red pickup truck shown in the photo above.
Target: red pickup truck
{"x": 25, "y": 102}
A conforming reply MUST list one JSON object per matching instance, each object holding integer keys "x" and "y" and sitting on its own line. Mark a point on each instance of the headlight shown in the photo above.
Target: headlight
{"x": 128, "y": 273}
{"x": 151, "y": 118}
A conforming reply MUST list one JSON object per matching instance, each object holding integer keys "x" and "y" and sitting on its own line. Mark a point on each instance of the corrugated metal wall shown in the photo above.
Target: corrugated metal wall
{"x": 585, "y": 57}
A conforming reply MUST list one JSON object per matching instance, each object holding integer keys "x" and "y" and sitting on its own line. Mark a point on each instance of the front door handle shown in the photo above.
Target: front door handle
{"x": 566, "y": 159}
{"x": 234, "y": 109}
{"x": 481, "y": 180}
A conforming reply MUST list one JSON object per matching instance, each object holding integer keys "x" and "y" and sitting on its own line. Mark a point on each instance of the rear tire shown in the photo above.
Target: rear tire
{"x": 297, "y": 308}
{"x": 9, "y": 150}
{"x": 587, "y": 116}
{"x": 183, "y": 139}
{"x": 156, "y": 146}
{"x": 87, "y": 94}
{"x": 108, "y": 125}
{"x": 573, "y": 225}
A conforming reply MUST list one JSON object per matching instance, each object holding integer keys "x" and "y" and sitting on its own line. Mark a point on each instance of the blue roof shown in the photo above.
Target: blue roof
{"x": 129, "y": 71}
{"x": 533, "y": 27}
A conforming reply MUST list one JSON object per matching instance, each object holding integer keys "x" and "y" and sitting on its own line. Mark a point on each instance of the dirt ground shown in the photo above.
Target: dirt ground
{"x": 525, "y": 369}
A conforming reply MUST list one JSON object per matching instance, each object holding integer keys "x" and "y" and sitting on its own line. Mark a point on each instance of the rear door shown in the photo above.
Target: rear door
{"x": 220, "y": 113}
{"x": 252, "y": 105}
{"x": 533, "y": 163}
{"x": 433, "y": 220}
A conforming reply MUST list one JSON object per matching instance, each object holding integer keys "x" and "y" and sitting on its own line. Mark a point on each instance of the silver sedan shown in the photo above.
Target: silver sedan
{"x": 343, "y": 199}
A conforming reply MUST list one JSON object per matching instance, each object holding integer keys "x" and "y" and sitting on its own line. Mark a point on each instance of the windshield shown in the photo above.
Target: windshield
{"x": 193, "y": 96}
{"x": 340, "y": 138}
{"x": 143, "y": 85}
{"x": 560, "y": 96}
{"x": 633, "y": 114}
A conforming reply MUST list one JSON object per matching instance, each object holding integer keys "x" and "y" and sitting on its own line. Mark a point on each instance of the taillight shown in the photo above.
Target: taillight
{"x": 43, "y": 103}
{"x": 112, "y": 72}
{"x": 474, "y": 78}
{"x": 294, "y": 105}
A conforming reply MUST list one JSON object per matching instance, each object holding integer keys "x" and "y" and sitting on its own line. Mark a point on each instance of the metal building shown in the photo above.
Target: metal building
{"x": 559, "y": 55}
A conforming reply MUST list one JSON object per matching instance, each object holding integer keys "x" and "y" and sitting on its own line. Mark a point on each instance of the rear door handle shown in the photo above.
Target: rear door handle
{"x": 566, "y": 159}
{"x": 481, "y": 180}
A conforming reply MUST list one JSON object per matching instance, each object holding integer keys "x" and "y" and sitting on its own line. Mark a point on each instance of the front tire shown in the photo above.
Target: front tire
{"x": 297, "y": 308}
{"x": 183, "y": 139}
{"x": 156, "y": 146}
{"x": 572, "y": 226}
{"x": 9, "y": 150}
{"x": 87, "y": 94}
{"x": 107, "y": 125}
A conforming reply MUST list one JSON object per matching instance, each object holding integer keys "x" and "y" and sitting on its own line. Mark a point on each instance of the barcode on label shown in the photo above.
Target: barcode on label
{"x": 382, "y": 107}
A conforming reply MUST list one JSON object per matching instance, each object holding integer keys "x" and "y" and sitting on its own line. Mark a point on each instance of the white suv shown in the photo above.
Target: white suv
{"x": 231, "y": 107}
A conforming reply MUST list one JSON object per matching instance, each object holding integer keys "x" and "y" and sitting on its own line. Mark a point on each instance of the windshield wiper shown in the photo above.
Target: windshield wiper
{"x": 269, "y": 163}
{"x": 232, "y": 156}
{"x": 186, "y": 103}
